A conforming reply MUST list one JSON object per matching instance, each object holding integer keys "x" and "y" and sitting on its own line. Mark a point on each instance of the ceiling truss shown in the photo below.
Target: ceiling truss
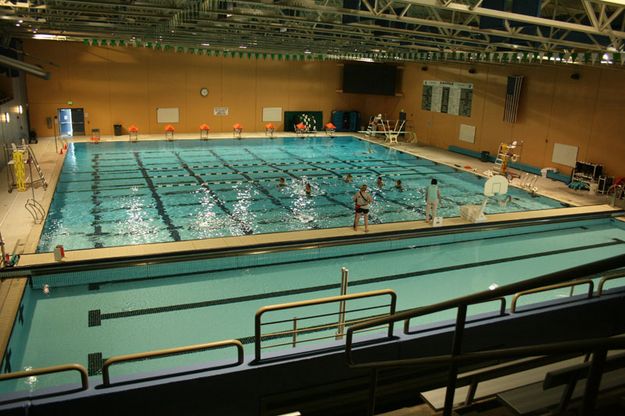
{"x": 329, "y": 27}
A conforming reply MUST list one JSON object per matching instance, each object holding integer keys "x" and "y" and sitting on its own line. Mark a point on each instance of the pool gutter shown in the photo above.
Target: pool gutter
{"x": 82, "y": 260}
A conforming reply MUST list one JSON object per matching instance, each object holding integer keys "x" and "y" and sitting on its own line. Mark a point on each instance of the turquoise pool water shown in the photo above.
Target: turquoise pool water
{"x": 122, "y": 193}
{"x": 90, "y": 316}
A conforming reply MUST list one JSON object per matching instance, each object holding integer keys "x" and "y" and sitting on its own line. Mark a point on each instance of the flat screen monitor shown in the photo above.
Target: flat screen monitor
{"x": 362, "y": 78}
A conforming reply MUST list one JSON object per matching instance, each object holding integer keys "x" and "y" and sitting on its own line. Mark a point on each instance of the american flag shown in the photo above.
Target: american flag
{"x": 513, "y": 93}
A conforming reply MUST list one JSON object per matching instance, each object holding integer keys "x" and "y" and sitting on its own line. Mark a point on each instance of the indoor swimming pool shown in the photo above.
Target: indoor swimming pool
{"x": 121, "y": 193}
{"x": 87, "y": 316}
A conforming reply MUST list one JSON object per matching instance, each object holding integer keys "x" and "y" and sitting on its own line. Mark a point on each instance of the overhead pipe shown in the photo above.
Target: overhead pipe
{"x": 23, "y": 66}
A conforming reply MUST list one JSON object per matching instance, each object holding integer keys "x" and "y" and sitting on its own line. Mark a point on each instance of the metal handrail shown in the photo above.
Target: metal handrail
{"x": 486, "y": 295}
{"x": 619, "y": 275}
{"x": 84, "y": 376}
{"x": 320, "y": 301}
{"x": 202, "y": 254}
{"x": 167, "y": 352}
{"x": 515, "y": 298}
{"x": 309, "y": 329}
{"x": 460, "y": 304}
{"x": 36, "y": 210}
{"x": 502, "y": 311}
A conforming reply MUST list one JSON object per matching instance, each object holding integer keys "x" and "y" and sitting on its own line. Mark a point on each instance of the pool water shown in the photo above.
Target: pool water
{"x": 90, "y": 316}
{"x": 121, "y": 193}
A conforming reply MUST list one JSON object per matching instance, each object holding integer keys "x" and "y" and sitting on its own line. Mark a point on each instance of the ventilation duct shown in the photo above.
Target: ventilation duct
{"x": 23, "y": 66}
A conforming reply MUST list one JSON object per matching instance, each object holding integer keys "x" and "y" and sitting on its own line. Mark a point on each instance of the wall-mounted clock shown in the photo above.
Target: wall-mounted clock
{"x": 204, "y": 92}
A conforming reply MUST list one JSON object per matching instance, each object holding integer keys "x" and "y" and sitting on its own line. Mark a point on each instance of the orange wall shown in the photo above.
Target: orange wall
{"x": 126, "y": 86}
{"x": 554, "y": 108}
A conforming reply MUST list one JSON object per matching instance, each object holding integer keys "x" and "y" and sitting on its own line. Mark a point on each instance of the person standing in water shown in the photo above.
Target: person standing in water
{"x": 362, "y": 199}
{"x": 432, "y": 198}
{"x": 399, "y": 186}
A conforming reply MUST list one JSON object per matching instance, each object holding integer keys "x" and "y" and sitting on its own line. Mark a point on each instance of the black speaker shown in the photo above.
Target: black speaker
{"x": 575, "y": 76}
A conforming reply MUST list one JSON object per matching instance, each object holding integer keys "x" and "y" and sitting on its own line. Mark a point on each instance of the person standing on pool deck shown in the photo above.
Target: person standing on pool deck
{"x": 362, "y": 199}
{"x": 432, "y": 197}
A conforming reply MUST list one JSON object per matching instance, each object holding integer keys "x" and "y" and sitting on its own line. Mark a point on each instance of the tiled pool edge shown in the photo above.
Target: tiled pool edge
{"x": 408, "y": 147}
{"x": 35, "y": 233}
{"x": 116, "y": 253}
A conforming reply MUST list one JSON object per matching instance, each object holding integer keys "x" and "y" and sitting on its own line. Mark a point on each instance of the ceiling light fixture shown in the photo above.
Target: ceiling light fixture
{"x": 616, "y": 2}
{"x": 44, "y": 36}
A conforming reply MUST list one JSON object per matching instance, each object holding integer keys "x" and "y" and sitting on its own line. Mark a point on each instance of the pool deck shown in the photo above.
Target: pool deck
{"x": 22, "y": 235}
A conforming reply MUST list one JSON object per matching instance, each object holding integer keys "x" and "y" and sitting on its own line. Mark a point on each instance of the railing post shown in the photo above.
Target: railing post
{"x": 372, "y": 388}
{"x": 341, "y": 325}
{"x": 593, "y": 381}
{"x": 2, "y": 252}
{"x": 257, "y": 335}
{"x": 294, "y": 331}
{"x": 456, "y": 348}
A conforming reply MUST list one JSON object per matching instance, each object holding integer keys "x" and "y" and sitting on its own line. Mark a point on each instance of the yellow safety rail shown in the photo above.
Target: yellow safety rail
{"x": 20, "y": 170}
{"x": 82, "y": 371}
{"x": 571, "y": 284}
{"x": 106, "y": 378}
{"x": 339, "y": 323}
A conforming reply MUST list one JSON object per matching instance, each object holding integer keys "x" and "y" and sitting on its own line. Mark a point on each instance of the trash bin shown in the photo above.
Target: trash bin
{"x": 484, "y": 156}
{"x": 117, "y": 128}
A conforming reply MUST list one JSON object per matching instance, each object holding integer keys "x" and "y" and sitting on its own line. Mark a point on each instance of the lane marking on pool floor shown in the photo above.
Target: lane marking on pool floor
{"x": 173, "y": 232}
{"x": 95, "y": 316}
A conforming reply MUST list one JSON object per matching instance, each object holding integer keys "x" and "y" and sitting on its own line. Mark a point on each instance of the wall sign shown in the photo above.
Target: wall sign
{"x": 272, "y": 113}
{"x": 220, "y": 111}
{"x": 467, "y": 133}
{"x": 167, "y": 115}
{"x": 447, "y": 97}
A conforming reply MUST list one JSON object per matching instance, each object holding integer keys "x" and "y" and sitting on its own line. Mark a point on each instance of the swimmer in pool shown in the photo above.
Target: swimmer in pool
{"x": 399, "y": 186}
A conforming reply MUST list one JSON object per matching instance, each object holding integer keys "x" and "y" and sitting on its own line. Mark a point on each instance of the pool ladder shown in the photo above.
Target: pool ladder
{"x": 617, "y": 195}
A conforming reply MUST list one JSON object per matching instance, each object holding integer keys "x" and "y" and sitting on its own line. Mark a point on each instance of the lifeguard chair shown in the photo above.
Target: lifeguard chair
{"x": 204, "y": 129}
{"x": 95, "y": 135}
{"x": 269, "y": 129}
{"x": 237, "y": 130}
{"x": 507, "y": 152}
{"x": 301, "y": 128}
{"x": 169, "y": 132}
{"x": 133, "y": 133}
{"x": 329, "y": 128}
